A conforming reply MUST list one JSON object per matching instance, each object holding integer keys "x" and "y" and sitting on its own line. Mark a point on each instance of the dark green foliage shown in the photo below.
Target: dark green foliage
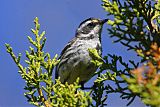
{"x": 134, "y": 24}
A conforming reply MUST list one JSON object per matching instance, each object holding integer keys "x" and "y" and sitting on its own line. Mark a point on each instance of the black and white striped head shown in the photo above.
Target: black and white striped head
{"x": 91, "y": 26}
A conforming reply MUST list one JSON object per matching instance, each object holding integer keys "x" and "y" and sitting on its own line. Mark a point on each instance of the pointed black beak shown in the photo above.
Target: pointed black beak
{"x": 103, "y": 21}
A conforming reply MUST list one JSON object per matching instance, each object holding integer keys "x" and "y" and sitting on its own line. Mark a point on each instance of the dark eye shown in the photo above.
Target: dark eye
{"x": 91, "y": 25}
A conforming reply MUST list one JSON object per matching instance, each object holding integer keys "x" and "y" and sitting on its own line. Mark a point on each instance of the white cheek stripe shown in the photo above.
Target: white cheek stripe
{"x": 86, "y": 23}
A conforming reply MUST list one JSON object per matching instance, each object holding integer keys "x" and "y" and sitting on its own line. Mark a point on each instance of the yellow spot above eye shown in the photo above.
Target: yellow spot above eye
{"x": 95, "y": 21}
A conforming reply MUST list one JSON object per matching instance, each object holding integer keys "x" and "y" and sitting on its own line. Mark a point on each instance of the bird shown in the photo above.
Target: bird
{"x": 75, "y": 60}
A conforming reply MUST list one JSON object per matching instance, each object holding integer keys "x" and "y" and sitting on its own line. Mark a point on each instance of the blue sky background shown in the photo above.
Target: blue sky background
{"x": 59, "y": 19}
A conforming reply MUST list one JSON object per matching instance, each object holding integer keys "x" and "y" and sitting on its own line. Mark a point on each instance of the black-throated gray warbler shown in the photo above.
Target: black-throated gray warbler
{"x": 75, "y": 60}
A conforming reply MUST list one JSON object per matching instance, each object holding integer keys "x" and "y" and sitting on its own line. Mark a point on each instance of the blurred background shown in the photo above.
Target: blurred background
{"x": 59, "y": 19}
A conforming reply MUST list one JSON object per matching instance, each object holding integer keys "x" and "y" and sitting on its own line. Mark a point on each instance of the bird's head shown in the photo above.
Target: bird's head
{"x": 91, "y": 25}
